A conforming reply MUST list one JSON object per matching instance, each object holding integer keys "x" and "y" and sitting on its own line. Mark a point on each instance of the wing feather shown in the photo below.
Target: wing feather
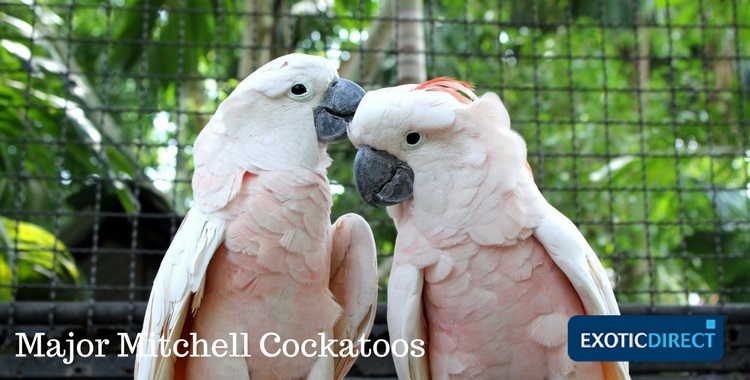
{"x": 406, "y": 319}
{"x": 180, "y": 276}
{"x": 574, "y": 256}
{"x": 354, "y": 283}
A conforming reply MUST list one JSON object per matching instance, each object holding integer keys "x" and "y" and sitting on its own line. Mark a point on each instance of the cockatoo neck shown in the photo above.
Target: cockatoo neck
{"x": 324, "y": 160}
{"x": 456, "y": 196}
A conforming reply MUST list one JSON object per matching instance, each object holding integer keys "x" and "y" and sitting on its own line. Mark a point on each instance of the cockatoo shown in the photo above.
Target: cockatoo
{"x": 484, "y": 270}
{"x": 256, "y": 266}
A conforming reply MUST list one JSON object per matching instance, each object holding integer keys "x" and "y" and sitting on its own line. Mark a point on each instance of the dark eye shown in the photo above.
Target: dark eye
{"x": 413, "y": 139}
{"x": 299, "y": 89}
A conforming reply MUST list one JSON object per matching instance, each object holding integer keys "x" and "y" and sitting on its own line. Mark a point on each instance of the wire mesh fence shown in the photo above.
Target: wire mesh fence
{"x": 634, "y": 112}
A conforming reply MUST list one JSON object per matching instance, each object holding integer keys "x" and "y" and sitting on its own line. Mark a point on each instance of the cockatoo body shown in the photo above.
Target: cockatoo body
{"x": 257, "y": 254}
{"x": 485, "y": 270}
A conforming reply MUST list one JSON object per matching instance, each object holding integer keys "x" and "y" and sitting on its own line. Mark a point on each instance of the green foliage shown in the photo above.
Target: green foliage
{"x": 634, "y": 130}
{"x": 645, "y": 154}
{"x": 52, "y": 111}
{"x": 42, "y": 262}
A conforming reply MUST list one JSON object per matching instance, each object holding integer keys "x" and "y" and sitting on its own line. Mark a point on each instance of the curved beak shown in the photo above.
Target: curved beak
{"x": 381, "y": 178}
{"x": 336, "y": 109}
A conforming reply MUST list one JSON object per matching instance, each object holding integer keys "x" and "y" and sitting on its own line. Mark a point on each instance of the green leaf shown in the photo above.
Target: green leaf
{"x": 42, "y": 259}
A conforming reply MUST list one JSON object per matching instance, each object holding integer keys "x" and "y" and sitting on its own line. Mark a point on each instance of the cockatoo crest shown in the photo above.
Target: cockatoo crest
{"x": 462, "y": 91}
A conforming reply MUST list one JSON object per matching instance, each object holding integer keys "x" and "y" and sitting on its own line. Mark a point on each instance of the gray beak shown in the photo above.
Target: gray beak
{"x": 381, "y": 178}
{"x": 336, "y": 110}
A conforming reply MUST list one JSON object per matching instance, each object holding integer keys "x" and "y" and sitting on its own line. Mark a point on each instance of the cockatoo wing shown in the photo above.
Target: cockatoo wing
{"x": 354, "y": 284}
{"x": 178, "y": 284}
{"x": 406, "y": 319}
{"x": 574, "y": 256}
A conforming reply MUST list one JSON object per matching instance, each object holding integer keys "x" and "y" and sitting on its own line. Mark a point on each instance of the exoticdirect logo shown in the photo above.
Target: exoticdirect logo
{"x": 646, "y": 338}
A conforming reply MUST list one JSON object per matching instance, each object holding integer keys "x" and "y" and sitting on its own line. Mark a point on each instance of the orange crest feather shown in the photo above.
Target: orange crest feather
{"x": 462, "y": 91}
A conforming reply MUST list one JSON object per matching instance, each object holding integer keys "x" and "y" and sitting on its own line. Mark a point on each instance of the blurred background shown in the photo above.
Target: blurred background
{"x": 635, "y": 112}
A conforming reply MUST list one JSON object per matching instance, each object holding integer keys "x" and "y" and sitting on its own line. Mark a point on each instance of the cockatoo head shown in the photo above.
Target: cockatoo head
{"x": 309, "y": 83}
{"x": 430, "y": 131}
{"x": 287, "y": 111}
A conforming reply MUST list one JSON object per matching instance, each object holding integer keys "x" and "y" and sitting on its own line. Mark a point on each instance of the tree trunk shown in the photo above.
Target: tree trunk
{"x": 363, "y": 64}
{"x": 256, "y": 36}
{"x": 410, "y": 43}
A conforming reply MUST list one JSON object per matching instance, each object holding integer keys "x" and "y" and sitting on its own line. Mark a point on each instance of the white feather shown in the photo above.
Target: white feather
{"x": 354, "y": 279}
{"x": 181, "y": 274}
{"x": 571, "y": 252}
{"x": 406, "y": 320}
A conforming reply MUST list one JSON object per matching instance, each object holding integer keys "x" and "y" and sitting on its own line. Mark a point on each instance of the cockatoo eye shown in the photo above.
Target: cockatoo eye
{"x": 413, "y": 139}
{"x": 300, "y": 91}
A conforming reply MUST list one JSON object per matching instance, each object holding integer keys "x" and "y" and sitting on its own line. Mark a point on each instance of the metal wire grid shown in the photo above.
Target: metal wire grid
{"x": 595, "y": 140}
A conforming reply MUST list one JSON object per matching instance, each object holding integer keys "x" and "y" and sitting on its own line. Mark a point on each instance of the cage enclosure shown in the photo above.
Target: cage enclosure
{"x": 635, "y": 114}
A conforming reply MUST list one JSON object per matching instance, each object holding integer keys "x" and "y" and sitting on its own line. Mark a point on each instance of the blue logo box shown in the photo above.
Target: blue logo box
{"x": 646, "y": 338}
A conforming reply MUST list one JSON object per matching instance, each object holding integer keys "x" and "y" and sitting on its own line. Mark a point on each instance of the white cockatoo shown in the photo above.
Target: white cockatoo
{"x": 257, "y": 256}
{"x": 484, "y": 270}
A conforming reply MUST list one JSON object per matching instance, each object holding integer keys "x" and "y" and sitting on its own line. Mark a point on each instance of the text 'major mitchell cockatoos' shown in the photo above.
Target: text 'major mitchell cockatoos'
{"x": 257, "y": 253}
{"x": 485, "y": 270}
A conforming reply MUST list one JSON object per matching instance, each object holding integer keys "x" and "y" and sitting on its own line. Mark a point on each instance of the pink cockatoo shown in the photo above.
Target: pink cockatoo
{"x": 256, "y": 264}
{"x": 484, "y": 270}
